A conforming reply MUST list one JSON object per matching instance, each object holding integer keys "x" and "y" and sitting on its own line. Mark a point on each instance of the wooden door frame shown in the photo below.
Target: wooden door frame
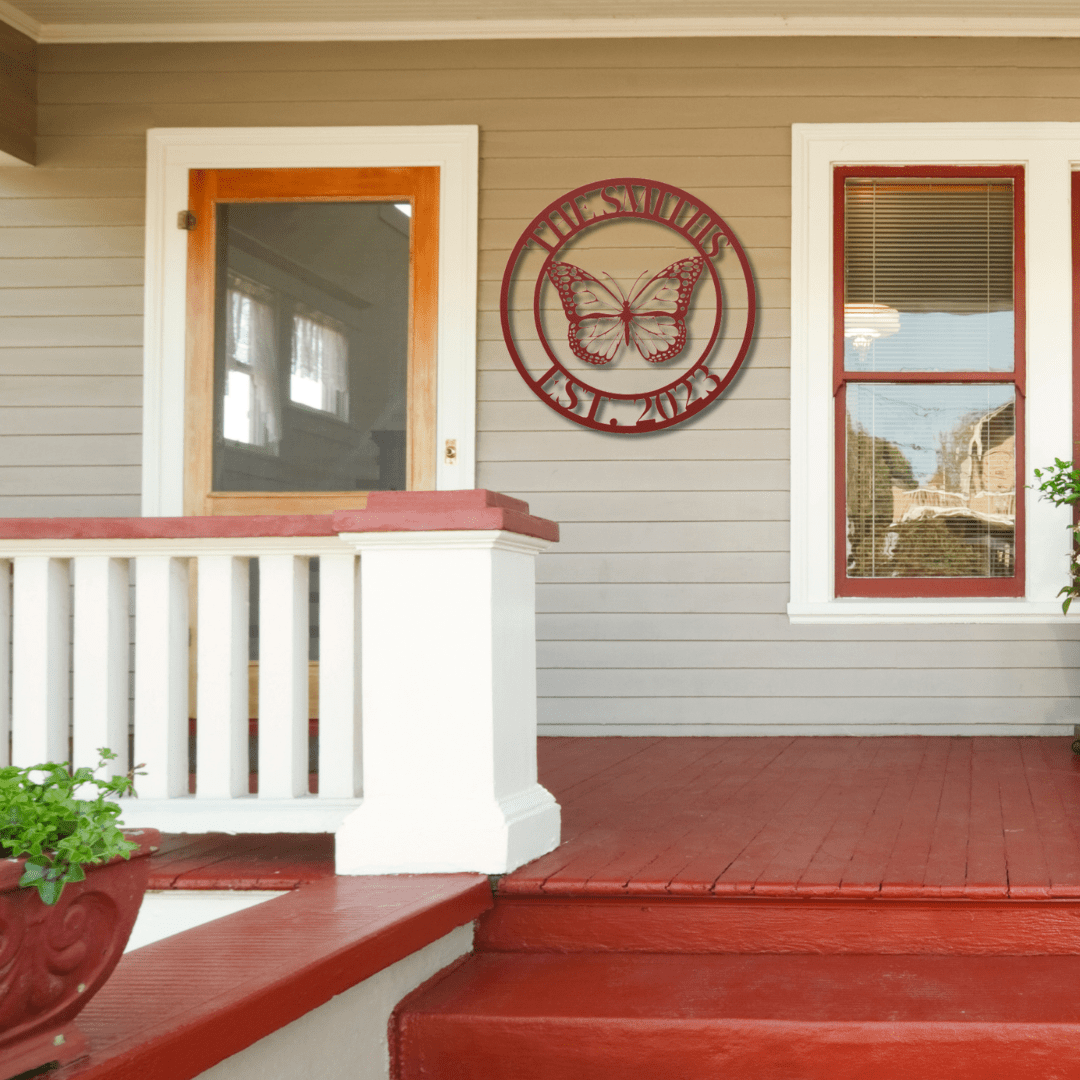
{"x": 207, "y": 188}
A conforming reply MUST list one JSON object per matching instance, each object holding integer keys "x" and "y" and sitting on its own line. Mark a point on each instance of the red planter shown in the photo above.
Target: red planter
{"x": 54, "y": 959}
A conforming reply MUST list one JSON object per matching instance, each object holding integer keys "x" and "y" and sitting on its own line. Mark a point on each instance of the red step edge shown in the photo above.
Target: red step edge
{"x": 713, "y": 924}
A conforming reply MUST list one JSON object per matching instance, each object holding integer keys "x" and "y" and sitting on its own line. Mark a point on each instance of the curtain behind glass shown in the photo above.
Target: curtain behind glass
{"x": 251, "y": 351}
{"x": 320, "y": 363}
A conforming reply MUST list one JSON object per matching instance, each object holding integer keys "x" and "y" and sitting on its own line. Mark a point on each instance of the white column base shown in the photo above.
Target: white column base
{"x": 397, "y": 835}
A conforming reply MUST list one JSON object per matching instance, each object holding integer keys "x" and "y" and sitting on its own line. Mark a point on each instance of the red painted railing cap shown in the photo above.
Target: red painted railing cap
{"x": 470, "y": 499}
{"x": 386, "y": 511}
{"x": 166, "y": 528}
{"x": 428, "y": 511}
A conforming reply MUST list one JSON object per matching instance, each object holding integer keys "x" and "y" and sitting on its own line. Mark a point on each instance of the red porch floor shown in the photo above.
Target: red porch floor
{"x": 861, "y": 817}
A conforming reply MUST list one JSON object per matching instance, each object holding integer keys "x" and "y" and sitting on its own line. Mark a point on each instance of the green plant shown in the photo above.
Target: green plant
{"x": 44, "y": 818}
{"x": 1060, "y": 483}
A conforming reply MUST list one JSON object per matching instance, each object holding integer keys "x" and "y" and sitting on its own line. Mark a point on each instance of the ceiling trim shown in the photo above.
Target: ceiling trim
{"x": 480, "y": 29}
{"x": 20, "y": 21}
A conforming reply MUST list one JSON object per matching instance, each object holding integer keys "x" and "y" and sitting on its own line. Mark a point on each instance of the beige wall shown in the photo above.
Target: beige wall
{"x": 18, "y": 94}
{"x": 664, "y": 604}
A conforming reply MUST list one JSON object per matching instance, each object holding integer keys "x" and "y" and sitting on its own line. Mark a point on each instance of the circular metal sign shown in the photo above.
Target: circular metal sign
{"x": 610, "y": 344}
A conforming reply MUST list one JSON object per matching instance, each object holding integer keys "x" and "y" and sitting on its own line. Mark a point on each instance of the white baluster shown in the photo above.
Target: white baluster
{"x": 339, "y": 676}
{"x": 283, "y": 676}
{"x": 100, "y": 698}
{"x": 41, "y": 680}
{"x": 5, "y": 661}
{"x": 222, "y": 697}
{"x": 161, "y": 675}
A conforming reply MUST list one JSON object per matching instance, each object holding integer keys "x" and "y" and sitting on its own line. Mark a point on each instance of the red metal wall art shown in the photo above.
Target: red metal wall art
{"x": 628, "y": 305}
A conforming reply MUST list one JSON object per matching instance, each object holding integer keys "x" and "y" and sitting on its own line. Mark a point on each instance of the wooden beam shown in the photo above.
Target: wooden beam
{"x": 18, "y": 95}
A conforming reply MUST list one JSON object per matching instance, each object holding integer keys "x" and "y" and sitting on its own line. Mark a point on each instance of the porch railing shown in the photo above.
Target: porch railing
{"x": 426, "y": 672}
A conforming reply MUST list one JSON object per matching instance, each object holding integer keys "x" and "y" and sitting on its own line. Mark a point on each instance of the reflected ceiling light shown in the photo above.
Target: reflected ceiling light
{"x": 865, "y": 323}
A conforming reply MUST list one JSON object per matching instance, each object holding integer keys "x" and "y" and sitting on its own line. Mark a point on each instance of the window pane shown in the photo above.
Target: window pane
{"x": 251, "y": 411}
{"x": 319, "y": 376}
{"x": 928, "y": 275}
{"x": 311, "y": 346}
{"x": 931, "y": 480}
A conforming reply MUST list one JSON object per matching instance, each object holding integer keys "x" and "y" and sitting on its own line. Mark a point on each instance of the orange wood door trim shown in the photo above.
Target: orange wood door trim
{"x": 207, "y": 187}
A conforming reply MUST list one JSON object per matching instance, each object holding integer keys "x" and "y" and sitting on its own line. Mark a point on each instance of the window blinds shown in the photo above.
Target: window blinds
{"x": 928, "y": 275}
{"x": 930, "y": 246}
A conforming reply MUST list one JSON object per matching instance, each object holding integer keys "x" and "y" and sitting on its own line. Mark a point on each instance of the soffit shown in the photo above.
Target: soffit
{"x": 270, "y": 20}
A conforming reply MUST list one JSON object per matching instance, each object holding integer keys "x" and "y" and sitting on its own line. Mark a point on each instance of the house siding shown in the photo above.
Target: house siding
{"x": 662, "y": 610}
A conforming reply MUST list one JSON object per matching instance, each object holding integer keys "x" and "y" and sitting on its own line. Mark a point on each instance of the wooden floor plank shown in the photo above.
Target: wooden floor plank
{"x": 704, "y": 838}
{"x": 1025, "y": 854}
{"x": 945, "y": 873}
{"x": 681, "y": 813}
{"x": 872, "y": 850}
{"x": 785, "y": 801}
{"x": 987, "y": 870}
{"x": 906, "y": 870}
{"x": 829, "y": 864}
{"x": 1060, "y": 842}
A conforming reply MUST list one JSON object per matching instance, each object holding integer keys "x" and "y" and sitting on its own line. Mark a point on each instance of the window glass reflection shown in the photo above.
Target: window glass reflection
{"x": 311, "y": 346}
{"x": 931, "y": 480}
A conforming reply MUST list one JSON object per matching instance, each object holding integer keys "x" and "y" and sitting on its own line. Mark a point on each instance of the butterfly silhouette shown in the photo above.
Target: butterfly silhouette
{"x": 652, "y": 316}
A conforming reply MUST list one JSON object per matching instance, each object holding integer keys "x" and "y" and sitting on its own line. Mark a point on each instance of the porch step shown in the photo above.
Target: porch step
{"x": 639, "y": 1016}
{"x": 748, "y": 924}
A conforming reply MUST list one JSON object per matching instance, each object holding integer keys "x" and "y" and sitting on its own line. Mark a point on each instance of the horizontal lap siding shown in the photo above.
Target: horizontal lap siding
{"x": 662, "y": 609}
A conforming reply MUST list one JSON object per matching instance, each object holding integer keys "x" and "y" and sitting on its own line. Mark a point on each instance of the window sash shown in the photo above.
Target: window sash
{"x": 843, "y": 378}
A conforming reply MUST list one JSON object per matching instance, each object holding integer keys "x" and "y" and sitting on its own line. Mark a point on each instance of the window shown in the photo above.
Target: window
{"x": 929, "y": 365}
{"x": 319, "y": 365}
{"x": 189, "y": 399}
{"x": 252, "y": 413}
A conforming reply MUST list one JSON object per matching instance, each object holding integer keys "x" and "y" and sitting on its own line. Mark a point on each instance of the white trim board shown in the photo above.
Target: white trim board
{"x": 171, "y": 152}
{"x": 1049, "y": 153}
{"x": 533, "y": 29}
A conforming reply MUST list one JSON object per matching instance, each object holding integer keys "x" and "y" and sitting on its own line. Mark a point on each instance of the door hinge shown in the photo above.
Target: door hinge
{"x": 186, "y": 220}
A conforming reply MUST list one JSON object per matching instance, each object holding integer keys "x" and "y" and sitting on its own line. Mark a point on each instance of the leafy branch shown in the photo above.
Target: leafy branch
{"x": 43, "y": 817}
{"x": 1060, "y": 484}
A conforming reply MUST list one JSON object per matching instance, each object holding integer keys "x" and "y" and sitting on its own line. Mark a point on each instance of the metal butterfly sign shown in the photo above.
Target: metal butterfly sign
{"x": 651, "y": 315}
{"x": 699, "y": 309}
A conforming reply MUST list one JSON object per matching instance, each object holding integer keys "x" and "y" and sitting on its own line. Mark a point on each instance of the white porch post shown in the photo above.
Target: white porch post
{"x": 449, "y": 706}
{"x": 100, "y": 661}
{"x": 41, "y": 681}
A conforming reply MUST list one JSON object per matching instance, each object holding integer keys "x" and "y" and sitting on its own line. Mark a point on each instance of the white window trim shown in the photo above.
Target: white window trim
{"x": 172, "y": 152}
{"x": 1049, "y": 153}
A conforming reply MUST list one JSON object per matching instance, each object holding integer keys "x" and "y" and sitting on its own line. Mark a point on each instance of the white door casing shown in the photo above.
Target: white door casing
{"x": 172, "y": 152}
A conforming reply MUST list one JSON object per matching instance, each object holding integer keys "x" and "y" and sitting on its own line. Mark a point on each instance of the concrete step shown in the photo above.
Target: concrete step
{"x": 641, "y": 1016}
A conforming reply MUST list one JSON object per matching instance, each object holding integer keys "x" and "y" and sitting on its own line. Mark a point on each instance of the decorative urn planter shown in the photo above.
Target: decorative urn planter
{"x": 54, "y": 959}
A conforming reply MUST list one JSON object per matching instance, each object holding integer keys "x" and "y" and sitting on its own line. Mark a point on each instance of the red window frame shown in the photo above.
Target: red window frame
{"x": 930, "y": 587}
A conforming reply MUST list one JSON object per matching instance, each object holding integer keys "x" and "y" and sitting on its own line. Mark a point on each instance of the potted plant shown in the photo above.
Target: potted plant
{"x": 70, "y": 890}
